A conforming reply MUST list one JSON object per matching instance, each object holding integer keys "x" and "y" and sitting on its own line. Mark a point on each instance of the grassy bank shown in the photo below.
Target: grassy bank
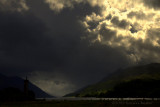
{"x": 139, "y": 103}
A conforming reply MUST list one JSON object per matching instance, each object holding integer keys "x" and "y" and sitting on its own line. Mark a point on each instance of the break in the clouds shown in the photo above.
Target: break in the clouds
{"x": 64, "y": 45}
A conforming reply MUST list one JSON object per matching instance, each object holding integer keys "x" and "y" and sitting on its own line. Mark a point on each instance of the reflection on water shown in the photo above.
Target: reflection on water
{"x": 93, "y": 98}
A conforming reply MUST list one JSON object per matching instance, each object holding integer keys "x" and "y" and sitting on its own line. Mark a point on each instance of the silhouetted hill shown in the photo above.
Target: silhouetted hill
{"x": 148, "y": 88}
{"x": 18, "y": 82}
{"x": 15, "y": 94}
{"x": 144, "y": 72}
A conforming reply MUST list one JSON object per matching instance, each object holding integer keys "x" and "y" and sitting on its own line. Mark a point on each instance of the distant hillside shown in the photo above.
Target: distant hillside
{"x": 17, "y": 82}
{"x": 138, "y": 88}
{"x": 145, "y": 72}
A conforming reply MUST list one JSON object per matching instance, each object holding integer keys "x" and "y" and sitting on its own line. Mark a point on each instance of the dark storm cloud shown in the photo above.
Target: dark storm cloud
{"x": 43, "y": 40}
{"x": 96, "y": 61}
{"x": 120, "y": 23}
{"x": 65, "y": 26}
{"x": 24, "y": 42}
{"x": 152, "y": 3}
{"x": 36, "y": 40}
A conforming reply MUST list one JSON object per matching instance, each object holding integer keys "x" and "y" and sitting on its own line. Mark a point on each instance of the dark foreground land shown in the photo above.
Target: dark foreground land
{"x": 100, "y": 103}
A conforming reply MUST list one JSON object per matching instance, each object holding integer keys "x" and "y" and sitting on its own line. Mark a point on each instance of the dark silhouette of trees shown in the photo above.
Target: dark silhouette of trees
{"x": 14, "y": 94}
{"x": 135, "y": 89}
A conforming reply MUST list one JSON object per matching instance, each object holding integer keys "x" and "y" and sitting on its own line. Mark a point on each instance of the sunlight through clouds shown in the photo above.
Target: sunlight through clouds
{"x": 131, "y": 20}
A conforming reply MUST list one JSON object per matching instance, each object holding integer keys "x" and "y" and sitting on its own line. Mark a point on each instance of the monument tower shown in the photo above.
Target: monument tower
{"x": 26, "y": 82}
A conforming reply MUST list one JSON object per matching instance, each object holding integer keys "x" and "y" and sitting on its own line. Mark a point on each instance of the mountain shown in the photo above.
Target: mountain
{"x": 138, "y": 88}
{"x": 17, "y": 82}
{"x": 143, "y": 72}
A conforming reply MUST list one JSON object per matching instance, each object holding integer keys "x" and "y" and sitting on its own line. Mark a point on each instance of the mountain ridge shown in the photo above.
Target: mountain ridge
{"x": 17, "y": 82}
{"x": 149, "y": 71}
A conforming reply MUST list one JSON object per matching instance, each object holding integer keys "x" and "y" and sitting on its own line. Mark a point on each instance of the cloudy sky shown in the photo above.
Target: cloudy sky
{"x": 64, "y": 45}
